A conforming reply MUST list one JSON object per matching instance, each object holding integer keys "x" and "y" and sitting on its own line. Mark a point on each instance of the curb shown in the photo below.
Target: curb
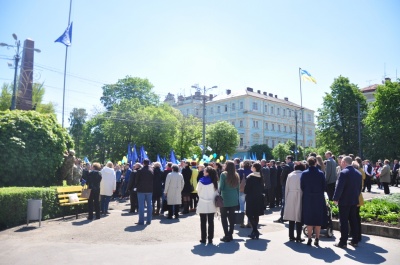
{"x": 372, "y": 229}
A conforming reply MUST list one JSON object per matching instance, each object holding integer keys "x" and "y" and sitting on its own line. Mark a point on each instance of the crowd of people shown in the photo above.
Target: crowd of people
{"x": 300, "y": 188}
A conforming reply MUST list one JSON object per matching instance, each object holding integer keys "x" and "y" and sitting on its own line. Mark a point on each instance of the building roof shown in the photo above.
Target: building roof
{"x": 370, "y": 88}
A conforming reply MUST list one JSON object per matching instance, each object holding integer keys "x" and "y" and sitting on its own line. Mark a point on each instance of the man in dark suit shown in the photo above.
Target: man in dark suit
{"x": 346, "y": 195}
{"x": 144, "y": 187}
{"x": 394, "y": 173}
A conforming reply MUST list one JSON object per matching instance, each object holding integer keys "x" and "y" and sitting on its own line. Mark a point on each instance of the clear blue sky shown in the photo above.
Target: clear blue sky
{"x": 232, "y": 44}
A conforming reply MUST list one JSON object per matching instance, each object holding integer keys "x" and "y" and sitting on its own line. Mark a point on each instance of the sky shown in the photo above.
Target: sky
{"x": 176, "y": 44}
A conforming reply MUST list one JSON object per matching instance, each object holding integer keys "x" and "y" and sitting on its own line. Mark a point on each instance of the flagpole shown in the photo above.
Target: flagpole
{"x": 302, "y": 111}
{"x": 65, "y": 66}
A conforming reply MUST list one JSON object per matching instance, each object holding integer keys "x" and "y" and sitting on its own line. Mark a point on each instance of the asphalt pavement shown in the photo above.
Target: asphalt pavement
{"x": 116, "y": 239}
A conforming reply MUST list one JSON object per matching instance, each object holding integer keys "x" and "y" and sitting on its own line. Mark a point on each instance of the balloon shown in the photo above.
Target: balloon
{"x": 195, "y": 156}
{"x": 221, "y": 158}
{"x": 197, "y": 159}
{"x": 124, "y": 158}
{"x": 218, "y": 160}
{"x": 211, "y": 157}
{"x": 204, "y": 156}
{"x": 189, "y": 160}
{"x": 214, "y": 155}
{"x": 119, "y": 163}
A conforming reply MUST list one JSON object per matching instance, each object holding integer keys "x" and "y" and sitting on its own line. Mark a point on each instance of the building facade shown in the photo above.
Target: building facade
{"x": 260, "y": 118}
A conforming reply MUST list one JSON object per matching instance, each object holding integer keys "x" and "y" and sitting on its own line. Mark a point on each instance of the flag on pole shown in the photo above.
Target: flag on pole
{"x": 172, "y": 157}
{"x": 307, "y": 76}
{"x": 66, "y": 37}
{"x": 263, "y": 157}
{"x": 86, "y": 160}
{"x": 129, "y": 155}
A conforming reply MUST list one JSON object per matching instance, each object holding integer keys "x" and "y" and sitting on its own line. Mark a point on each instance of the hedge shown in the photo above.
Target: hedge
{"x": 14, "y": 203}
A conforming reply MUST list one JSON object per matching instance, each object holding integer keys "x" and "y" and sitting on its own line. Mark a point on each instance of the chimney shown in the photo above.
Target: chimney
{"x": 286, "y": 99}
{"x": 211, "y": 96}
{"x": 197, "y": 94}
{"x": 270, "y": 94}
{"x": 265, "y": 93}
{"x": 276, "y": 96}
{"x": 259, "y": 91}
{"x": 249, "y": 89}
{"x": 228, "y": 91}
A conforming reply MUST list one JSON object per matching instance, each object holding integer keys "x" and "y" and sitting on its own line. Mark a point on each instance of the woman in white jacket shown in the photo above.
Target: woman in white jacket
{"x": 207, "y": 190}
{"x": 107, "y": 186}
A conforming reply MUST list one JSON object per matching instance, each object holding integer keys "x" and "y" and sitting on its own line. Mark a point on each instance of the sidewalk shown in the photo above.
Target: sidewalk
{"x": 117, "y": 239}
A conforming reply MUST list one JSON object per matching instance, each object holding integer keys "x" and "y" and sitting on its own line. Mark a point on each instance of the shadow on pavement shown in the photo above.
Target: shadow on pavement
{"x": 366, "y": 253}
{"x": 325, "y": 254}
{"x": 26, "y": 229}
{"x": 135, "y": 228}
{"x": 210, "y": 250}
{"x": 260, "y": 244}
{"x": 82, "y": 222}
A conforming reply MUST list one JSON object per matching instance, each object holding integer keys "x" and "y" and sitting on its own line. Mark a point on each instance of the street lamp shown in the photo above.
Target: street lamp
{"x": 296, "y": 132}
{"x": 204, "y": 114}
{"x": 16, "y": 58}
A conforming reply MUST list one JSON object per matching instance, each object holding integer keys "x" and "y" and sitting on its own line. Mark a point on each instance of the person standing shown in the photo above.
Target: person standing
{"x": 157, "y": 188}
{"x": 385, "y": 176}
{"x": 293, "y": 208}
{"x": 229, "y": 187}
{"x": 394, "y": 173}
{"x": 346, "y": 196}
{"x": 118, "y": 174}
{"x": 330, "y": 174}
{"x": 286, "y": 170}
{"x": 194, "y": 198}
{"x": 93, "y": 181}
{"x": 368, "y": 175}
{"x": 254, "y": 198}
{"x": 187, "y": 189}
{"x": 131, "y": 189}
{"x": 166, "y": 171}
{"x": 144, "y": 187}
{"x": 207, "y": 189}
{"x": 269, "y": 192}
{"x": 274, "y": 185}
{"x": 108, "y": 185}
{"x": 314, "y": 210}
{"x": 173, "y": 187}
{"x": 243, "y": 173}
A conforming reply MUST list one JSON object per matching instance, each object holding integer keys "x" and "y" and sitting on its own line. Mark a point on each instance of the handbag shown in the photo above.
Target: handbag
{"x": 219, "y": 201}
{"x": 85, "y": 193}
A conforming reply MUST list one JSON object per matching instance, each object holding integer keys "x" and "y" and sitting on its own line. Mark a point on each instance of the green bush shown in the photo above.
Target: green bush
{"x": 386, "y": 209}
{"x": 32, "y": 147}
{"x": 14, "y": 202}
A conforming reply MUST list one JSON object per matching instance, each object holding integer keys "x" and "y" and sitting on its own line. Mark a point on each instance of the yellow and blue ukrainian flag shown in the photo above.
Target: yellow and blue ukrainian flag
{"x": 307, "y": 76}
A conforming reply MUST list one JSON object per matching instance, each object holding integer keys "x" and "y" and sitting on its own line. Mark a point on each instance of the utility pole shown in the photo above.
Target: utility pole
{"x": 295, "y": 147}
{"x": 204, "y": 122}
{"x": 359, "y": 130}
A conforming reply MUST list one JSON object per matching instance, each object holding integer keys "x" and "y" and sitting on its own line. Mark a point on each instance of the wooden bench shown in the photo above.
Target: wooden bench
{"x": 63, "y": 197}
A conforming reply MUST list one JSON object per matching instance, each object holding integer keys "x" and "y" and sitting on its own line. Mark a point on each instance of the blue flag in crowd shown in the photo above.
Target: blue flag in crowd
{"x": 134, "y": 155}
{"x": 263, "y": 156}
{"x": 66, "y": 37}
{"x": 129, "y": 155}
{"x": 86, "y": 160}
{"x": 173, "y": 157}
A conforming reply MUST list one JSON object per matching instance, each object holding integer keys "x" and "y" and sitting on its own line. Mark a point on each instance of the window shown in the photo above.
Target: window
{"x": 290, "y": 113}
{"x": 233, "y": 106}
{"x": 255, "y": 124}
{"x": 266, "y": 141}
{"x": 240, "y": 123}
{"x": 309, "y": 117}
{"x": 279, "y": 128}
{"x": 255, "y": 106}
{"x": 284, "y": 128}
{"x": 290, "y": 128}
{"x": 278, "y": 111}
{"x": 241, "y": 142}
{"x": 273, "y": 143}
{"x": 284, "y": 112}
{"x": 197, "y": 112}
{"x": 187, "y": 111}
{"x": 273, "y": 127}
{"x": 219, "y": 109}
{"x": 241, "y": 105}
{"x": 212, "y": 110}
{"x": 233, "y": 123}
{"x": 266, "y": 108}
{"x": 309, "y": 132}
{"x": 266, "y": 126}
{"x": 272, "y": 110}
{"x": 226, "y": 108}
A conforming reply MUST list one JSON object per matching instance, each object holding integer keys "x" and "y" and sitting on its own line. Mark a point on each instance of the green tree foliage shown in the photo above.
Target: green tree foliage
{"x": 77, "y": 119}
{"x": 261, "y": 149}
{"x": 94, "y": 139}
{"x": 5, "y": 97}
{"x": 280, "y": 151}
{"x": 188, "y": 136}
{"x": 32, "y": 144}
{"x": 337, "y": 119}
{"x": 383, "y": 123}
{"x": 222, "y": 137}
{"x": 129, "y": 88}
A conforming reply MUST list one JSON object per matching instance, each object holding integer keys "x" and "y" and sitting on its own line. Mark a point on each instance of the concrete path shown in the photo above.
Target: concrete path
{"x": 116, "y": 239}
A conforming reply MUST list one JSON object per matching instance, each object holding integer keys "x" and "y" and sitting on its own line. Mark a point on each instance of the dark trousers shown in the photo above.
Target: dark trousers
{"x": 194, "y": 198}
{"x": 94, "y": 202}
{"x": 283, "y": 202}
{"x": 359, "y": 224}
{"x": 299, "y": 227}
{"x": 156, "y": 200}
{"x": 278, "y": 195}
{"x": 330, "y": 189}
{"x": 367, "y": 184}
{"x": 173, "y": 210}
{"x": 134, "y": 201}
{"x": 271, "y": 197}
{"x": 204, "y": 218}
{"x": 348, "y": 214}
{"x": 386, "y": 187}
{"x": 228, "y": 214}
{"x": 254, "y": 220}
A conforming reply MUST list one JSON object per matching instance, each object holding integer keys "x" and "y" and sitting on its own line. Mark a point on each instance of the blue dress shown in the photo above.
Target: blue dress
{"x": 312, "y": 184}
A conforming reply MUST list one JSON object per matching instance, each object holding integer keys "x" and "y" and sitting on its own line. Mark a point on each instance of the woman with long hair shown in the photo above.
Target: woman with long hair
{"x": 207, "y": 189}
{"x": 254, "y": 198}
{"x": 320, "y": 163}
{"x": 229, "y": 187}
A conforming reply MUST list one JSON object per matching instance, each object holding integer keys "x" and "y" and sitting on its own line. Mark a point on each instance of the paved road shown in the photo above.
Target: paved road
{"x": 117, "y": 239}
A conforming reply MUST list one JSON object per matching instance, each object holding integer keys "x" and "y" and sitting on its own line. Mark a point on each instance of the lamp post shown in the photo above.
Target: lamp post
{"x": 296, "y": 133}
{"x": 204, "y": 114}
{"x": 16, "y": 59}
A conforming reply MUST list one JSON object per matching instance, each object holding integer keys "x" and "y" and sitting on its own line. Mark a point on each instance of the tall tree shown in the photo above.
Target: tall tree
{"x": 337, "y": 119}
{"x": 222, "y": 137}
{"x": 77, "y": 119}
{"x": 188, "y": 135}
{"x": 128, "y": 88}
{"x": 5, "y": 97}
{"x": 383, "y": 123}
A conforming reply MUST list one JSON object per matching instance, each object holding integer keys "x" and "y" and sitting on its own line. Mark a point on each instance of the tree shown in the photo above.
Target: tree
{"x": 261, "y": 149}
{"x": 337, "y": 119}
{"x": 33, "y": 145}
{"x": 5, "y": 97}
{"x": 77, "y": 120}
{"x": 222, "y": 137}
{"x": 280, "y": 151}
{"x": 383, "y": 123}
{"x": 129, "y": 88}
{"x": 94, "y": 139}
{"x": 188, "y": 136}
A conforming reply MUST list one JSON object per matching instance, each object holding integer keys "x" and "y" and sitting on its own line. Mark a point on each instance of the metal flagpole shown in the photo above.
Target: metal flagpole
{"x": 302, "y": 112}
{"x": 65, "y": 65}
